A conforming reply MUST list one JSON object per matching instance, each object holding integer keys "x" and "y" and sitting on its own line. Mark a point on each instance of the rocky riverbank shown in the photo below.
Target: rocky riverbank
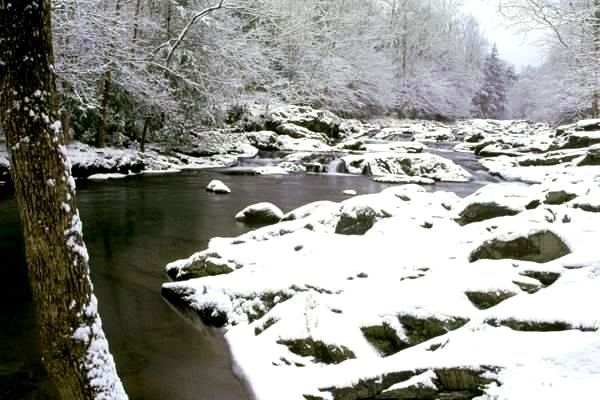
{"x": 409, "y": 294}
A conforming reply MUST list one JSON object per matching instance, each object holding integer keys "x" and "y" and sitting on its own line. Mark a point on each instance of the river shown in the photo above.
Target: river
{"x": 133, "y": 228}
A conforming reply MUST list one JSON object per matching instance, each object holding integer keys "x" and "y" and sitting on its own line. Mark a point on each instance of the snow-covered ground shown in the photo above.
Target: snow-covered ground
{"x": 408, "y": 294}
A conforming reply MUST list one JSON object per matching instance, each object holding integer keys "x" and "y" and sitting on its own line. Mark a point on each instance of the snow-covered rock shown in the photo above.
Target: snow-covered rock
{"x": 421, "y": 165}
{"x": 210, "y": 143}
{"x": 216, "y": 186}
{"x": 87, "y": 161}
{"x": 291, "y": 167}
{"x": 270, "y": 170}
{"x": 495, "y": 201}
{"x": 299, "y": 132}
{"x": 349, "y": 192}
{"x": 260, "y": 213}
{"x": 403, "y": 179}
{"x": 263, "y": 140}
{"x": 320, "y": 121}
{"x": 287, "y": 143}
{"x": 415, "y": 307}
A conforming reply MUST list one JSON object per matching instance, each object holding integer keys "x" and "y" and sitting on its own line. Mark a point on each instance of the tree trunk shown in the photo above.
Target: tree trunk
{"x": 74, "y": 349}
{"x": 66, "y": 121}
{"x": 144, "y": 132}
{"x": 101, "y": 134}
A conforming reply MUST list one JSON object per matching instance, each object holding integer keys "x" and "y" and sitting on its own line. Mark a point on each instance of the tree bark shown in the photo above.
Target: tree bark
{"x": 101, "y": 134}
{"x": 144, "y": 132}
{"x": 74, "y": 349}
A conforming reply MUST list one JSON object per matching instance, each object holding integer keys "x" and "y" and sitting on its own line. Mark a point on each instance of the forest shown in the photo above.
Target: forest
{"x": 163, "y": 67}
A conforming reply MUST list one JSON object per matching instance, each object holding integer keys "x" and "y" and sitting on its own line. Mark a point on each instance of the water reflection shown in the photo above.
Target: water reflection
{"x": 133, "y": 227}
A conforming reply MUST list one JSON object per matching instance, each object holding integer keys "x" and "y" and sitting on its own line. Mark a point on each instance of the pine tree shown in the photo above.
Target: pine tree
{"x": 490, "y": 100}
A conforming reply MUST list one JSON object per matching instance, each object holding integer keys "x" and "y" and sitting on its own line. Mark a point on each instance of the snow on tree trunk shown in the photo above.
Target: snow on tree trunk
{"x": 74, "y": 349}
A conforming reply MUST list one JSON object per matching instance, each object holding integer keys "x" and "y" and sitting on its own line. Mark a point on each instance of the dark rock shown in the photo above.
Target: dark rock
{"x": 556, "y": 197}
{"x": 535, "y": 326}
{"x": 320, "y": 351}
{"x": 550, "y": 158}
{"x": 533, "y": 204}
{"x": 384, "y": 339}
{"x": 546, "y": 278}
{"x": 484, "y": 300}
{"x": 542, "y": 246}
{"x": 420, "y": 330}
{"x": 360, "y": 222}
{"x": 591, "y": 158}
{"x": 205, "y": 264}
{"x": 480, "y": 211}
{"x": 182, "y": 297}
{"x": 450, "y": 384}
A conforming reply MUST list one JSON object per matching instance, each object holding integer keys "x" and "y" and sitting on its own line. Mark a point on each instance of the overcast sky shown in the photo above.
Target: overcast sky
{"x": 517, "y": 48}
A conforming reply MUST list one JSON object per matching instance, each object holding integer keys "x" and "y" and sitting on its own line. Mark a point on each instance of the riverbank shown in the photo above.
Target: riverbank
{"x": 411, "y": 294}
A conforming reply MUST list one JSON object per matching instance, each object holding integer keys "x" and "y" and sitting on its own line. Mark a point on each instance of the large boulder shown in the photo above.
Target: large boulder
{"x": 321, "y": 121}
{"x": 210, "y": 143}
{"x": 360, "y": 213}
{"x": 538, "y": 246}
{"x": 422, "y": 165}
{"x": 493, "y": 201}
{"x": 299, "y": 132}
{"x": 260, "y": 213}
{"x": 263, "y": 140}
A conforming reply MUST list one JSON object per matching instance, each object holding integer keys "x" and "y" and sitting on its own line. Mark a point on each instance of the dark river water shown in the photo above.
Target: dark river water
{"x": 133, "y": 228}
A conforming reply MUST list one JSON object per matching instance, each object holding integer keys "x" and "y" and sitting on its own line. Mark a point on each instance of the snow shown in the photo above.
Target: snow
{"x": 105, "y": 177}
{"x": 270, "y": 170}
{"x": 98, "y": 361}
{"x": 411, "y": 263}
{"x": 216, "y": 186}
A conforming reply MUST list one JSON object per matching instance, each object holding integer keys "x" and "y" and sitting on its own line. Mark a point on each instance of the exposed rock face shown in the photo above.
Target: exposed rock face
{"x": 484, "y": 300}
{"x": 320, "y": 351}
{"x": 488, "y": 202}
{"x": 439, "y": 383}
{"x": 532, "y": 326}
{"x": 559, "y": 196}
{"x": 476, "y": 212}
{"x": 541, "y": 246}
{"x": 592, "y": 157}
{"x": 216, "y": 186}
{"x": 416, "y": 329}
{"x": 577, "y": 139}
{"x": 260, "y": 213}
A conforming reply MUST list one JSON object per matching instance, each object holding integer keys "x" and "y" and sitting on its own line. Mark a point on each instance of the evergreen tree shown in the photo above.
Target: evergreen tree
{"x": 490, "y": 100}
